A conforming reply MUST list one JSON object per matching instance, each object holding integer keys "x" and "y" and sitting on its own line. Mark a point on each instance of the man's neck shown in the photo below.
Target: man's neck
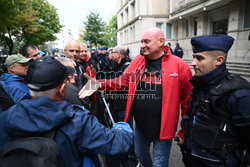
{"x": 156, "y": 56}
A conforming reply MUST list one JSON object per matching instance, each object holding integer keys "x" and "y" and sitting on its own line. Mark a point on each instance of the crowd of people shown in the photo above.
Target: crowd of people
{"x": 73, "y": 100}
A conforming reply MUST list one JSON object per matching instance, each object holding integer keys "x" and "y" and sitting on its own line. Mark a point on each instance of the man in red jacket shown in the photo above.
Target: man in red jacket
{"x": 157, "y": 82}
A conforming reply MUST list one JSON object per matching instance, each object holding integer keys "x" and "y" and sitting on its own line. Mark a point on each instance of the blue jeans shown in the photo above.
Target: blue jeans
{"x": 161, "y": 150}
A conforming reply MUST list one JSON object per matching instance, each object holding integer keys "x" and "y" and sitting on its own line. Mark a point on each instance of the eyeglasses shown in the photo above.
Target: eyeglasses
{"x": 113, "y": 52}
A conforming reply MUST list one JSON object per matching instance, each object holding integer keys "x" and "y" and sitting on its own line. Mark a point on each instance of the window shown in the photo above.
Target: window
{"x": 247, "y": 15}
{"x": 159, "y": 25}
{"x": 187, "y": 28}
{"x": 132, "y": 10}
{"x": 169, "y": 31}
{"x": 195, "y": 25}
{"x": 220, "y": 26}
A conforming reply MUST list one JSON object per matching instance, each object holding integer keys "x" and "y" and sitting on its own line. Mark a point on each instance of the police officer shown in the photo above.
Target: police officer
{"x": 217, "y": 128}
{"x": 178, "y": 50}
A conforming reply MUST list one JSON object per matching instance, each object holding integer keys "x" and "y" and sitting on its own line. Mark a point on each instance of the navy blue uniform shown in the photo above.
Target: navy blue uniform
{"x": 201, "y": 149}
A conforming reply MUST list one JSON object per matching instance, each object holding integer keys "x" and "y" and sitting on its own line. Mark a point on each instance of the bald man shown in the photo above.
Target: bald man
{"x": 72, "y": 49}
{"x": 158, "y": 83}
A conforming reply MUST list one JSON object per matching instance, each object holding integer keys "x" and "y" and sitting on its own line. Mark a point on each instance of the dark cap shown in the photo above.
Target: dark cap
{"x": 46, "y": 73}
{"x": 211, "y": 42}
{"x": 105, "y": 48}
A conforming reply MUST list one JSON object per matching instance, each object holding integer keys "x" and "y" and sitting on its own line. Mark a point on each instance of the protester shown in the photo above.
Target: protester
{"x": 78, "y": 132}
{"x": 117, "y": 103}
{"x": 157, "y": 82}
{"x": 83, "y": 52}
{"x": 116, "y": 99}
{"x": 72, "y": 90}
{"x": 72, "y": 51}
{"x": 30, "y": 51}
{"x": 217, "y": 128}
{"x": 86, "y": 61}
{"x": 13, "y": 82}
{"x": 178, "y": 51}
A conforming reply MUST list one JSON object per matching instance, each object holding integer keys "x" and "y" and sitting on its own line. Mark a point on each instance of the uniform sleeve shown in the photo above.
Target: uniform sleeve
{"x": 239, "y": 105}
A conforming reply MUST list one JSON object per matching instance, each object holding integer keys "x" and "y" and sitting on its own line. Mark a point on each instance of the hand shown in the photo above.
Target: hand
{"x": 90, "y": 87}
{"x": 180, "y": 140}
{"x": 123, "y": 126}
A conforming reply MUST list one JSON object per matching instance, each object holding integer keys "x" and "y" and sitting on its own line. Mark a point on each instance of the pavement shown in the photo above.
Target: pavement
{"x": 175, "y": 159}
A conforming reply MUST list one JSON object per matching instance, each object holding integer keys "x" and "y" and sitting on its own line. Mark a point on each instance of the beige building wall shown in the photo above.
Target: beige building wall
{"x": 186, "y": 18}
{"x": 135, "y": 16}
{"x": 206, "y": 14}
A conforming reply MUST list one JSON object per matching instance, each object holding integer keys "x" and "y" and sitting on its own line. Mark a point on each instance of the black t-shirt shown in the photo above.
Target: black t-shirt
{"x": 147, "y": 104}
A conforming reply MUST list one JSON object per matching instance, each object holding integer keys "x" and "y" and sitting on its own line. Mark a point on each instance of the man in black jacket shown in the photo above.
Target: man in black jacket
{"x": 120, "y": 61}
{"x": 117, "y": 100}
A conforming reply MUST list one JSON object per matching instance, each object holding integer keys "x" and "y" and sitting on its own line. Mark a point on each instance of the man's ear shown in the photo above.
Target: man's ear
{"x": 11, "y": 69}
{"x": 62, "y": 89}
{"x": 162, "y": 41}
{"x": 219, "y": 60}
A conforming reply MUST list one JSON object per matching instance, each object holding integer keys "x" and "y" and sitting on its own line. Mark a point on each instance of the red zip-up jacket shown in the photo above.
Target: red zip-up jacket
{"x": 175, "y": 89}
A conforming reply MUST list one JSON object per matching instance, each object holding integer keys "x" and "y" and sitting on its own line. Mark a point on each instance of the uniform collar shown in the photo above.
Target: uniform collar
{"x": 212, "y": 78}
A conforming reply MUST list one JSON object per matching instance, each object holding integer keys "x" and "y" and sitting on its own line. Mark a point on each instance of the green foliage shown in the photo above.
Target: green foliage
{"x": 27, "y": 21}
{"x": 94, "y": 29}
{"x": 110, "y": 36}
{"x": 98, "y": 32}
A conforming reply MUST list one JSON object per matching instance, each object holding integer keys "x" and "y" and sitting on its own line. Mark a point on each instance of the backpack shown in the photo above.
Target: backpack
{"x": 31, "y": 152}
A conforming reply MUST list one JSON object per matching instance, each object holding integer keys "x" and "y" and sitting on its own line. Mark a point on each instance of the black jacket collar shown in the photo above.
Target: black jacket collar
{"x": 211, "y": 79}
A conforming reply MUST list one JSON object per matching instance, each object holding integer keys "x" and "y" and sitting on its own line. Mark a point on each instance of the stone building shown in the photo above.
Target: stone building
{"x": 182, "y": 19}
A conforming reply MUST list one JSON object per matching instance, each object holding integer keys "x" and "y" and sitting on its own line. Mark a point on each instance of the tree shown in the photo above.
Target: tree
{"x": 48, "y": 24}
{"x": 27, "y": 21}
{"x": 93, "y": 29}
{"x": 110, "y": 36}
{"x": 13, "y": 15}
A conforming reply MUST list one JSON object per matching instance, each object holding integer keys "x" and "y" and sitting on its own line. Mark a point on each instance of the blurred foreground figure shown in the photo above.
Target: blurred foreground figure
{"x": 77, "y": 133}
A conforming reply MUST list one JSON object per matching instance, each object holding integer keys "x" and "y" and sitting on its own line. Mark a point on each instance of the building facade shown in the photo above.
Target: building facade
{"x": 182, "y": 19}
{"x": 135, "y": 16}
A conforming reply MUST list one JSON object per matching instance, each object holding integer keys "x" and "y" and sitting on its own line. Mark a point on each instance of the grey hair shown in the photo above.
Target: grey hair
{"x": 83, "y": 44}
{"x": 49, "y": 93}
{"x": 12, "y": 65}
{"x": 122, "y": 50}
{"x": 65, "y": 60}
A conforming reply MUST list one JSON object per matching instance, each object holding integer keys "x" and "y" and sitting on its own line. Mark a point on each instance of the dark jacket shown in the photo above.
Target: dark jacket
{"x": 73, "y": 98}
{"x": 236, "y": 127}
{"x": 5, "y": 101}
{"x": 117, "y": 99}
{"x": 80, "y": 132}
{"x": 178, "y": 51}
